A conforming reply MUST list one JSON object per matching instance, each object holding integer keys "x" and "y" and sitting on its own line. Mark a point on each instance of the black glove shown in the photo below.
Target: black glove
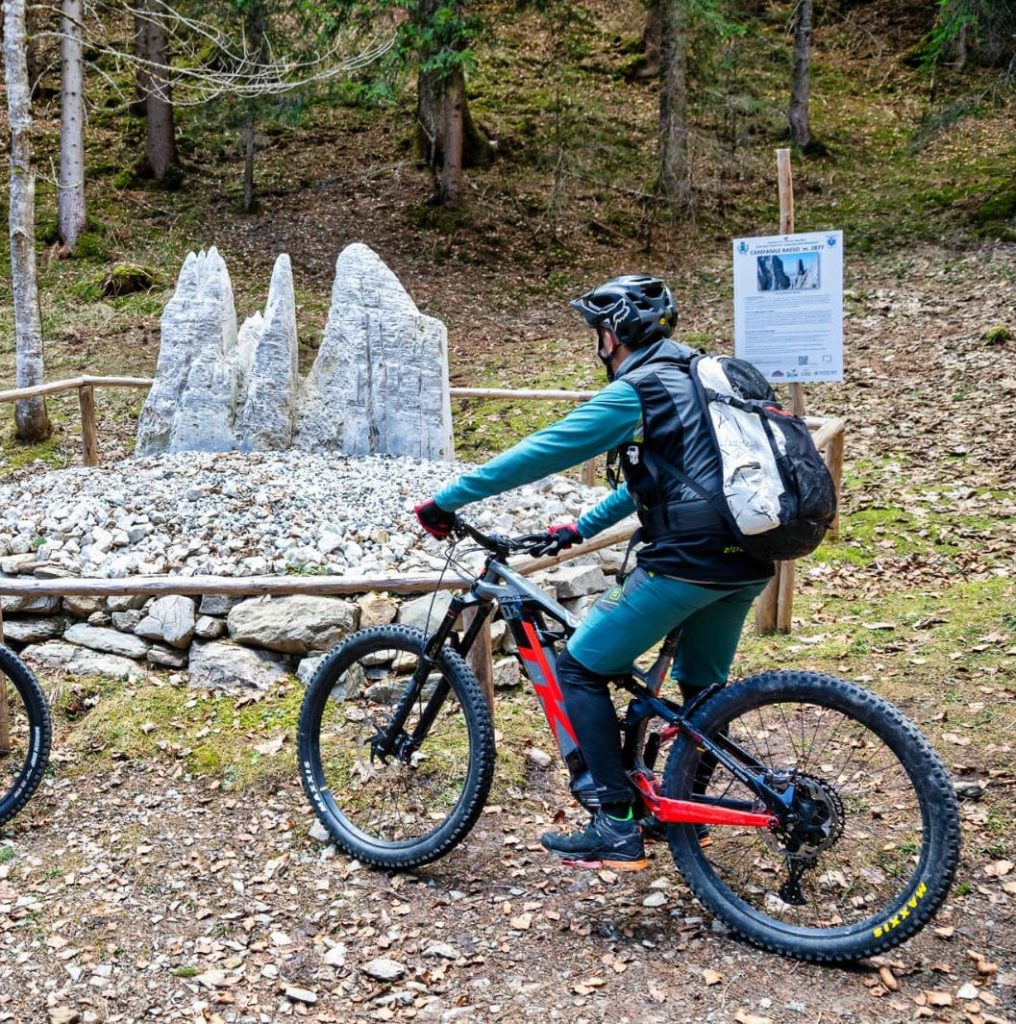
{"x": 434, "y": 519}
{"x": 558, "y": 537}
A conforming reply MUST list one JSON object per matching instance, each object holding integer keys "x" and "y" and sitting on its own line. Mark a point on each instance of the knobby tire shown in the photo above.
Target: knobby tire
{"x": 925, "y": 864}
{"x": 343, "y": 797}
{"x": 23, "y": 766}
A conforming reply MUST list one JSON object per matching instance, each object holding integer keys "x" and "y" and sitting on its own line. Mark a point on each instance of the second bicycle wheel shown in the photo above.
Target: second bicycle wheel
{"x": 414, "y": 805}
{"x": 871, "y": 849}
{"x": 25, "y": 733}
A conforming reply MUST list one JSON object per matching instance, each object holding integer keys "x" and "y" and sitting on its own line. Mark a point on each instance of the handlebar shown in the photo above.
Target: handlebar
{"x": 498, "y": 544}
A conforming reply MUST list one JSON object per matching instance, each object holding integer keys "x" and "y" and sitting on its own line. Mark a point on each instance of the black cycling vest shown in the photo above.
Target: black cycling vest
{"x": 687, "y": 539}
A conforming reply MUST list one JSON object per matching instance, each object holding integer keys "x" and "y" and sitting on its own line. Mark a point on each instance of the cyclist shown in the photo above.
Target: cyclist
{"x": 691, "y": 571}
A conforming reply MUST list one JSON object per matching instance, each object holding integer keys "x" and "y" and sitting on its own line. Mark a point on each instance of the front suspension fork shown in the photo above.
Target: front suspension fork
{"x": 392, "y": 739}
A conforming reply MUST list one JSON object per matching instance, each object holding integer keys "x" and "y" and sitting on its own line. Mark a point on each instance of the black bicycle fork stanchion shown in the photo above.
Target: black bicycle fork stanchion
{"x": 393, "y": 739}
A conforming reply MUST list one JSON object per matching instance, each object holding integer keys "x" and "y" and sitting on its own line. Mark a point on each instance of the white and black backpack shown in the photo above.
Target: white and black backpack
{"x": 778, "y": 496}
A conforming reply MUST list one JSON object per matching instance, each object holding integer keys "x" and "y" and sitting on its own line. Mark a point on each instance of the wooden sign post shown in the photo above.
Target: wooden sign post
{"x": 775, "y": 607}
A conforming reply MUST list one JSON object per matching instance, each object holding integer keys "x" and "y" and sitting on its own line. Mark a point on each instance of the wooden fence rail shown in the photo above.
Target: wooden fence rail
{"x": 85, "y": 386}
{"x": 480, "y": 658}
{"x": 775, "y": 607}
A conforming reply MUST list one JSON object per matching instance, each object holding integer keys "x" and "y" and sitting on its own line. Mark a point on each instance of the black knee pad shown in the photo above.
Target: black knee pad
{"x": 573, "y": 675}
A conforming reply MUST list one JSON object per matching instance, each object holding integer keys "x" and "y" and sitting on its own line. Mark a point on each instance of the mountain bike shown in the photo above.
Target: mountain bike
{"x": 25, "y": 734}
{"x": 807, "y": 813}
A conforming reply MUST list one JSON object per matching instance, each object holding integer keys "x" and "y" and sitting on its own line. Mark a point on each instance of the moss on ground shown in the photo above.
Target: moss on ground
{"x": 18, "y": 456}
{"x": 211, "y": 735}
{"x": 919, "y": 648}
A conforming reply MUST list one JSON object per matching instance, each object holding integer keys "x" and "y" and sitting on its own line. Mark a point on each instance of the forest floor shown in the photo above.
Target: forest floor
{"x": 145, "y": 882}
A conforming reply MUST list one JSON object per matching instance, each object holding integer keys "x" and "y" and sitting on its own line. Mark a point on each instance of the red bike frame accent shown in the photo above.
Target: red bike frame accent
{"x": 672, "y": 812}
{"x": 545, "y": 683}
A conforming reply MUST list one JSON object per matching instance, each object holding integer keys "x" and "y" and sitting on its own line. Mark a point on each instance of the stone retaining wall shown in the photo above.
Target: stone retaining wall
{"x": 241, "y": 642}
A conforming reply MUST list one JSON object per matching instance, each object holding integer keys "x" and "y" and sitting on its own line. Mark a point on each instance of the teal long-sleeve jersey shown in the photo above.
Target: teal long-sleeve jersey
{"x": 611, "y": 418}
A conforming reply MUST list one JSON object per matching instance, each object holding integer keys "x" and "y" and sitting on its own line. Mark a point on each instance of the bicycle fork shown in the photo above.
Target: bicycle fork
{"x": 393, "y": 739}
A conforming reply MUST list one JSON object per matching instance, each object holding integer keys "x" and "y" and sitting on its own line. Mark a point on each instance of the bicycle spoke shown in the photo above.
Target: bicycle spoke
{"x": 398, "y": 798}
{"x": 875, "y": 819}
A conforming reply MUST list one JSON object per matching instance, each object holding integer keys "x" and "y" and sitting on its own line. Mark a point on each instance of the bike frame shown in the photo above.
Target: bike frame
{"x": 526, "y": 609}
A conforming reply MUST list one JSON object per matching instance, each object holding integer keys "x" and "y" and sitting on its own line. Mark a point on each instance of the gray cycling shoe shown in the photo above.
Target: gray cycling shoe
{"x": 604, "y": 843}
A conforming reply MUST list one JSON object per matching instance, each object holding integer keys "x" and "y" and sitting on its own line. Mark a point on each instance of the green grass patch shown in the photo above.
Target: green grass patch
{"x": 919, "y": 648}
{"x": 18, "y": 456}
{"x": 213, "y": 735}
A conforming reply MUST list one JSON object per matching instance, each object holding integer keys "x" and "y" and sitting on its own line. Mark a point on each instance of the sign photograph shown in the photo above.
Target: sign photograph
{"x": 788, "y": 305}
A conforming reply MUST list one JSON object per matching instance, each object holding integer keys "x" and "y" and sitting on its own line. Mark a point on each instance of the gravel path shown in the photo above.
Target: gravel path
{"x": 143, "y": 895}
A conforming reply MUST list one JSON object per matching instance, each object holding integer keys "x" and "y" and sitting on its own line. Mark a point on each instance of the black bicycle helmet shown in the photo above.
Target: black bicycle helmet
{"x": 639, "y": 309}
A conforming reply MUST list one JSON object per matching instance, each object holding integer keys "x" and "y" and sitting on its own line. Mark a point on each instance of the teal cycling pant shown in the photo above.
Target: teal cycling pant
{"x": 630, "y": 619}
{"x": 625, "y": 623}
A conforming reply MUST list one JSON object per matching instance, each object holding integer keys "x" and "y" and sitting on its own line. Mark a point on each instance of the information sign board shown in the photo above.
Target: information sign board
{"x": 788, "y": 305}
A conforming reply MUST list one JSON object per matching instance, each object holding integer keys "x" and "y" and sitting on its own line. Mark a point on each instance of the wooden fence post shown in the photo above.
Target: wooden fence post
{"x": 89, "y": 431}
{"x": 589, "y": 472}
{"x": 774, "y": 609}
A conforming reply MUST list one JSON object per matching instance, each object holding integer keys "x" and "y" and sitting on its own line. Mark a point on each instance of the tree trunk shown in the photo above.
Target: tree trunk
{"x": 256, "y": 28}
{"x": 652, "y": 41}
{"x": 800, "y": 131}
{"x": 451, "y": 171}
{"x": 442, "y": 105}
{"x": 142, "y": 79}
{"x": 447, "y": 135}
{"x": 160, "y": 144}
{"x": 71, "y": 201}
{"x": 675, "y": 165}
{"x": 29, "y": 414}
{"x": 35, "y": 58}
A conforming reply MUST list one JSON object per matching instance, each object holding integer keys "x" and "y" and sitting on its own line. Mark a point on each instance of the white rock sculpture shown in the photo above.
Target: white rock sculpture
{"x": 191, "y": 404}
{"x": 379, "y": 383}
{"x": 267, "y": 359}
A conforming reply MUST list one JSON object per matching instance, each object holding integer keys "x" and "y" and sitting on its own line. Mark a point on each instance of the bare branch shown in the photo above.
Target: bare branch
{"x": 247, "y": 74}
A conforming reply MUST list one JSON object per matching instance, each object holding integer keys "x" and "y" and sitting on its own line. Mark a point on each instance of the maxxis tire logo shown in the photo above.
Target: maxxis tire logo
{"x": 903, "y": 913}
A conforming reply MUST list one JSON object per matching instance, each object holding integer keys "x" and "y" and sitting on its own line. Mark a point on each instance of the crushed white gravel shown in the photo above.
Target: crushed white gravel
{"x": 244, "y": 514}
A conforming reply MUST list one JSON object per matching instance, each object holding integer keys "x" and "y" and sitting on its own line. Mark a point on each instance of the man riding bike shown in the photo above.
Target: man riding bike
{"x": 691, "y": 572}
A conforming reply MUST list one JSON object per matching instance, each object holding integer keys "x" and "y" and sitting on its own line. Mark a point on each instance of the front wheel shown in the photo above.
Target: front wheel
{"x": 875, "y": 837}
{"x": 416, "y": 803}
{"x": 25, "y": 734}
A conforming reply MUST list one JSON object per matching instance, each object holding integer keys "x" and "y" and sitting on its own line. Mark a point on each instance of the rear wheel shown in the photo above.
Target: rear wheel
{"x": 25, "y": 734}
{"x": 877, "y": 838}
{"x": 417, "y": 803}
